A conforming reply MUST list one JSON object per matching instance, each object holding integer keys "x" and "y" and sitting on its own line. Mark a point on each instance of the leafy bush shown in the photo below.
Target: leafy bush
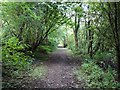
{"x": 45, "y": 49}
{"x": 42, "y": 52}
{"x": 103, "y": 55}
{"x": 105, "y": 59}
{"x": 95, "y": 77}
{"x": 13, "y": 61}
{"x": 52, "y": 43}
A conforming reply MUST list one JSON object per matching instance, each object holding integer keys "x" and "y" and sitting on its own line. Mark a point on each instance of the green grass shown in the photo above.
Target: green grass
{"x": 38, "y": 72}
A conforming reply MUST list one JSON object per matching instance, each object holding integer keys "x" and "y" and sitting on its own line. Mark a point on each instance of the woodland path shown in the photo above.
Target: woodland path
{"x": 60, "y": 67}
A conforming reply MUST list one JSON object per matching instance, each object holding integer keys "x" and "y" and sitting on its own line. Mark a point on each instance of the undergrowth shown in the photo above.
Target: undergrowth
{"x": 96, "y": 77}
{"x": 38, "y": 72}
{"x": 14, "y": 63}
{"x": 17, "y": 66}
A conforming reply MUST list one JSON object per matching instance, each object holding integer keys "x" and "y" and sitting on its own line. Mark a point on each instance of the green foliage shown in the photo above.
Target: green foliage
{"x": 41, "y": 53}
{"x": 103, "y": 55}
{"x": 37, "y": 25}
{"x": 52, "y": 43}
{"x": 79, "y": 11}
{"x": 13, "y": 61}
{"x": 105, "y": 59}
{"x": 31, "y": 22}
{"x": 38, "y": 71}
{"x": 46, "y": 49}
{"x": 95, "y": 77}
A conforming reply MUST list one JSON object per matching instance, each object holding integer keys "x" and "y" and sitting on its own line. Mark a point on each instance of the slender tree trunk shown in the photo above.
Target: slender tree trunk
{"x": 77, "y": 25}
{"x": 90, "y": 41}
{"x": 90, "y": 46}
{"x": 65, "y": 42}
{"x": 76, "y": 39}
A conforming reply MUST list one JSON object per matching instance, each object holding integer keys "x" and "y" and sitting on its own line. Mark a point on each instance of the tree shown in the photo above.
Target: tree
{"x": 37, "y": 20}
{"x": 78, "y": 15}
{"x": 113, "y": 15}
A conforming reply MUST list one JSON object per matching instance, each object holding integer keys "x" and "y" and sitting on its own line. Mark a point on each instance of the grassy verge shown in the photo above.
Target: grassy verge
{"x": 38, "y": 71}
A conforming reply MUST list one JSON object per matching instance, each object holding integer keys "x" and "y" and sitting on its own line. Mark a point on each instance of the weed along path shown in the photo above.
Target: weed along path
{"x": 60, "y": 71}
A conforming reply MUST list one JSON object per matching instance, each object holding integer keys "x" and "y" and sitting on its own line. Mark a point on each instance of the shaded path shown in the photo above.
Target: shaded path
{"x": 60, "y": 71}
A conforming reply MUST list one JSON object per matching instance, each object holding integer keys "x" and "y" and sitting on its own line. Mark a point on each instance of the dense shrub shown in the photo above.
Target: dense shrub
{"x": 13, "y": 61}
{"x": 95, "y": 77}
{"x": 103, "y": 55}
{"x": 45, "y": 49}
{"x": 105, "y": 59}
{"x": 42, "y": 52}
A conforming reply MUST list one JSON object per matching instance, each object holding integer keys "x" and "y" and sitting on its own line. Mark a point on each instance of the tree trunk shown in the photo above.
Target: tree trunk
{"x": 90, "y": 41}
{"x": 90, "y": 47}
{"x": 77, "y": 25}
{"x": 76, "y": 40}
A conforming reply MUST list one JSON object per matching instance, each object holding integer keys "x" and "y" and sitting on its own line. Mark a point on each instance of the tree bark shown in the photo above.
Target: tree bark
{"x": 90, "y": 40}
{"x": 76, "y": 40}
{"x": 77, "y": 25}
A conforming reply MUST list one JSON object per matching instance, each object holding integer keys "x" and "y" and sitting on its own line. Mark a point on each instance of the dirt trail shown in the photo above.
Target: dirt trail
{"x": 60, "y": 71}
